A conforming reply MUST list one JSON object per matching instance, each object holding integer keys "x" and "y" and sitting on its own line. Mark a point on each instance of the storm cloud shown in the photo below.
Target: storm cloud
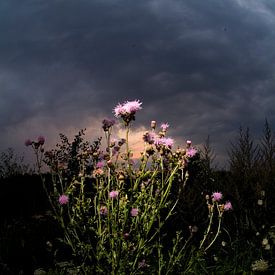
{"x": 205, "y": 67}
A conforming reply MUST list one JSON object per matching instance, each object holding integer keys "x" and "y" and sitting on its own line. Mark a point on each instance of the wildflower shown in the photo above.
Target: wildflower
{"x": 216, "y": 196}
{"x": 98, "y": 172}
{"x": 103, "y": 211}
{"x": 113, "y": 194}
{"x": 107, "y": 124}
{"x": 191, "y": 152}
{"x": 259, "y": 265}
{"x": 142, "y": 264}
{"x": 149, "y": 137}
{"x": 28, "y": 142}
{"x": 41, "y": 140}
{"x": 164, "y": 127}
{"x": 188, "y": 142}
{"x": 134, "y": 212}
{"x": 166, "y": 142}
{"x": 227, "y": 206}
{"x": 128, "y": 108}
{"x": 63, "y": 199}
{"x": 100, "y": 164}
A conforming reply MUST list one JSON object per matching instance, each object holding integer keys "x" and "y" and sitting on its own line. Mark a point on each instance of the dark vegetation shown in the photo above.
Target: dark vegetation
{"x": 28, "y": 233}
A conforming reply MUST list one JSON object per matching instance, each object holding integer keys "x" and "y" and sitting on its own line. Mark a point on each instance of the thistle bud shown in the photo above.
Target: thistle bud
{"x": 153, "y": 124}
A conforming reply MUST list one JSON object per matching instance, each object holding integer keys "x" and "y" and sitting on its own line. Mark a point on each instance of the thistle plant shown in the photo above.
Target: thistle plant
{"x": 216, "y": 210}
{"x": 112, "y": 208}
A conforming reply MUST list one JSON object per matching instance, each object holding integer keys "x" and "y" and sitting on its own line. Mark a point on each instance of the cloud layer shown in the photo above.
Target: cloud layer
{"x": 205, "y": 67}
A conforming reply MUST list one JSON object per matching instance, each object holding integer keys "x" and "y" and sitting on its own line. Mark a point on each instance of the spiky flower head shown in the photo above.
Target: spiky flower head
{"x": 191, "y": 152}
{"x": 163, "y": 141}
{"x": 63, "y": 199}
{"x": 134, "y": 212}
{"x": 228, "y": 206}
{"x": 103, "y": 210}
{"x": 149, "y": 137}
{"x": 127, "y": 110}
{"x": 216, "y": 196}
{"x": 164, "y": 127}
{"x": 113, "y": 194}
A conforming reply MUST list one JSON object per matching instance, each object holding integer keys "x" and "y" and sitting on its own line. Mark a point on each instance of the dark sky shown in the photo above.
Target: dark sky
{"x": 205, "y": 67}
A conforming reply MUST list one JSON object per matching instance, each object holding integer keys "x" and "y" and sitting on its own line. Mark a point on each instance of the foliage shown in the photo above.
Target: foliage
{"x": 113, "y": 210}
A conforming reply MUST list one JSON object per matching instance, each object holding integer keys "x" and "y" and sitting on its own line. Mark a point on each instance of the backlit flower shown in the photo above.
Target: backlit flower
{"x": 149, "y": 137}
{"x": 113, "y": 194}
{"x": 228, "y": 206}
{"x": 63, "y": 199}
{"x": 103, "y": 211}
{"x": 127, "y": 108}
{"x": 216, "y": 196}
{"x": 164, "y": 127}
{"x": 167, "y": 142}
{"x": 100, "y": 164}
{"x": 134, "y": 212}
{"x": 191, "y": 152}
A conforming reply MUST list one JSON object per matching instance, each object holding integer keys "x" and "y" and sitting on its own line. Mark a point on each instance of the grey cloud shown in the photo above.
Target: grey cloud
{"x": 203, "y": 66}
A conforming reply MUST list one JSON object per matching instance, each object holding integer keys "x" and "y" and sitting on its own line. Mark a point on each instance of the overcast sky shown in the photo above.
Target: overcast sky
{"x": 206, "y": 67}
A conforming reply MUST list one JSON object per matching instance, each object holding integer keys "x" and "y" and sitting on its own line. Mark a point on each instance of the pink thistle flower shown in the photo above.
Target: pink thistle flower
{"x": 216, "y": 196}
{"x": 28, "y": 142}
{"x": 41, "y": 140}
{"x": 63, "y": 199}
{"x": 100, "y": 164}
{"x": 149, "y": 137}
{"x": 134, "y": 212}
{"x": 98, "y": 172}
{"x": 113, "y": 194}
{"x": 191, "y": 152}
{"x": 127, "y": 108}
{"x": 167, "y": 142}
{"x": 164, "y": 127}
{"x": 119, "y": 110}
{"x": 103, "y": 211}
{"x": 132, "y": 107}
{"x": 228, "y": 206}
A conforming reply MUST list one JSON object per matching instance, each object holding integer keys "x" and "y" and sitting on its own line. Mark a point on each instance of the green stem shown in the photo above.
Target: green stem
{"x": 218, "y": 230}
{"x": 208, "y": 228}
